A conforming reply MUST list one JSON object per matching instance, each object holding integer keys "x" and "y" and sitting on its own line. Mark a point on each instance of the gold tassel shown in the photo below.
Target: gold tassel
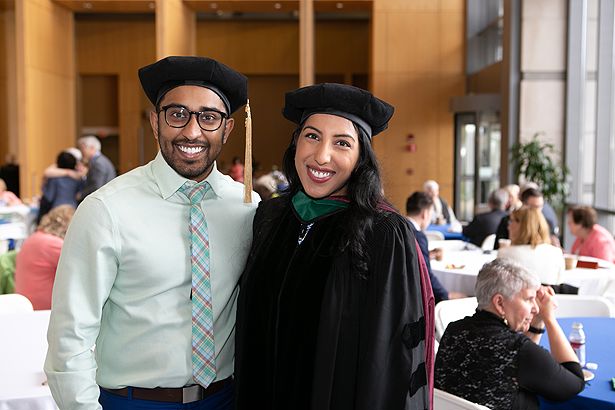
{"x": 247, "y": 168}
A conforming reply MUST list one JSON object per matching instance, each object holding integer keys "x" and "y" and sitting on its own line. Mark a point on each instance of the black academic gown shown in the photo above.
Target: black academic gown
{"x": 314, "y": 334}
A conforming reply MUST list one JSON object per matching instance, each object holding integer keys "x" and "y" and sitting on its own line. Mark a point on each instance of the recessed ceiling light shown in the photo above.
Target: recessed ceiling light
{"x": 277, "y": 6}
{"x": 87, "y": 5}
{"x": 339, "y": 5}
{"x": 213, "y": 5}
{"x": 151, "y": 5}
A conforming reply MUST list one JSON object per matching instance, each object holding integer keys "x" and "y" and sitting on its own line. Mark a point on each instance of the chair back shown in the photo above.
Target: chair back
{"x": 583, "y": 306}
{"x": 448, "y": 311}
{"x": 446, "y": 401}
{"x": 14, "y": 303}
{"x": 434, "y": 235}
{"x": 488, "y": 243}
{"x": 7, "y": 272}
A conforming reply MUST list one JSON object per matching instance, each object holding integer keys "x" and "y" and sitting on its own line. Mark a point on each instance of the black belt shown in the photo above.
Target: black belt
{"x": 186, "y": 394}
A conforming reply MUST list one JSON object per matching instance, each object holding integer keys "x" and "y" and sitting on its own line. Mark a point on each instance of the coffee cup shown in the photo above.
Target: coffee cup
{"x": 503, "y": 243}
{"x": 571, "y": 262}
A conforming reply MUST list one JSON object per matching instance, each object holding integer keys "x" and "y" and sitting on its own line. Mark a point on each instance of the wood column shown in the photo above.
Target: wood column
{"x": 45, "y": 88}
{"x": 306, "y": 42}
{"x": 175, "y": 29}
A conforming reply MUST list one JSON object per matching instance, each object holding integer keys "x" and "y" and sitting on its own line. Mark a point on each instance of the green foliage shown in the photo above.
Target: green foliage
{"x": 532, "y": 162}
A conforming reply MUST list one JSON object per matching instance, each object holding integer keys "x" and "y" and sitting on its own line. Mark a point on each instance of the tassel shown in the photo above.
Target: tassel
{"x": 247, "y": 168}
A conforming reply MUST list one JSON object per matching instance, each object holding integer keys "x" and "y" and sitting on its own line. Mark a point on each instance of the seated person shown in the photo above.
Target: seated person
{"x": 442, "y": 213}
{"x": 486, "y": 223}
{"x": 532, "y": 197}
{"x": 37, "y": 260}
{"x": 493, "y": 358}
{"x": 418, "y": 210}
{"x": 591, "y": 238}
{"x": 7, "y": 198}
{"x": 514, "y": 202}
{"x": 531, "y": 246}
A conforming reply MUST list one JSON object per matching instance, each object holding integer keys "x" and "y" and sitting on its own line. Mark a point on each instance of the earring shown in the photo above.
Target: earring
{"x": 504, "y": 320}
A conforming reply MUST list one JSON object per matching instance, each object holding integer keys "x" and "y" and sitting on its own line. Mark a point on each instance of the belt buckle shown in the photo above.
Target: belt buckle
{"x": 192, "y": 393}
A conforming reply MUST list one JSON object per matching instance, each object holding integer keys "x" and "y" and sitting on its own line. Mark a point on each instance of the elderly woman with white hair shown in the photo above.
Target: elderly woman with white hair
{"x": 492, "y": 358}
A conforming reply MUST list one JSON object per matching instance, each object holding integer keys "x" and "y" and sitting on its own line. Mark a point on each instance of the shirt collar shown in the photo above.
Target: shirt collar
{"x": 169, "y": 181}
{"x": 414, "y": 223}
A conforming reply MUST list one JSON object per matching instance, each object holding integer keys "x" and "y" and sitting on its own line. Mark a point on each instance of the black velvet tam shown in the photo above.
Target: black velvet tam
{"x": 355, "y": 104}
{"x": 171, "y": 72}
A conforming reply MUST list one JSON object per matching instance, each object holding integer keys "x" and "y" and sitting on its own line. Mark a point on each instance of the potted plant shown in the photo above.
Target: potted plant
{"x": 532, "y": 162}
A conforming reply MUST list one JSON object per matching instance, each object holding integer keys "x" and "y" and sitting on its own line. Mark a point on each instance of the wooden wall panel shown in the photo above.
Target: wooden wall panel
{"x": 45, "y": 80}
{"x": 418, "y": 65}
{"x": 7, "y": 35}
{"x": 120, "y": 47}
{"x": 486, "y": 81}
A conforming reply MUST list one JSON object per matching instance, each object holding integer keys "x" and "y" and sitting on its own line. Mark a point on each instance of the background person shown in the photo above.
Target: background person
{"x": 331, "y": 310}
{"x": 442, "y": 212}
{"x": 591, "y": 238}
{"x": 487, "y": 223}
{"x": 37, "y": 260}
{"x": 7, "y": 198}
{"x": 531, "y": 246}
{"x": 152, "y": 260}
{"x": 100, "y": 168}
{"x": 61, "y": 190}
{"x": 493, "y": 358}
{"x": 419, "y": 207}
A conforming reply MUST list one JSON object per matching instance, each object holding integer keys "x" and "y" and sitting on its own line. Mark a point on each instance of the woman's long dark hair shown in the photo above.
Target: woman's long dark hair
{"x": 364, "y": 189}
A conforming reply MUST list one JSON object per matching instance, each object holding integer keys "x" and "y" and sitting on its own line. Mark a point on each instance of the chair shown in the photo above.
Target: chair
{"x": 488, "y": 243}
{"x": 14, "y": 303}
{"x": 434, "y": 235}
{"x": 451, "y": 310}
{"x": 583, "y": 306}
{"x": 446, "y": 401}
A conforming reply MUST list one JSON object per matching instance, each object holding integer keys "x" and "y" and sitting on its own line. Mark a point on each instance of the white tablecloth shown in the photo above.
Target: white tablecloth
{"x": 458, "y": 269}
{"x": 23, "y": 346}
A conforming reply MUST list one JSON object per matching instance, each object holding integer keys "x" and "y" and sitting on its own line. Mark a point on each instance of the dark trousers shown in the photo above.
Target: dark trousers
{"x": 222, "y": 400}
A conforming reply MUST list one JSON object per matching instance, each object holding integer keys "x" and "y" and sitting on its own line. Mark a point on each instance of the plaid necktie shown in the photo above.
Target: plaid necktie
{"x": 203, "y": 351}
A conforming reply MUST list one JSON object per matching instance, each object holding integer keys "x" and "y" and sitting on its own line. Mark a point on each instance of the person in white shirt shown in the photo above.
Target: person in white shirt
{"x": 442, "y": 213}
{"x": 124, "y": 282}
{"x": 531, "y": 245}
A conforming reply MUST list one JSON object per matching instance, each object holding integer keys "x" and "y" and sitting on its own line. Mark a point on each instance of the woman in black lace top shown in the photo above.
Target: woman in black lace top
{"x": 492, "y": 358}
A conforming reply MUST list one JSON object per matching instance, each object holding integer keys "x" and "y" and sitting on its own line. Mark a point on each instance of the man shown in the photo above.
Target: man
{"x": 151, "y": 262}
{"x": 532, "y": 198}
{"x": 419, "y": 211}
{"x": 100, "y": 168}
{"x": 487, "y": 223}
{"x": 442, "y": 213}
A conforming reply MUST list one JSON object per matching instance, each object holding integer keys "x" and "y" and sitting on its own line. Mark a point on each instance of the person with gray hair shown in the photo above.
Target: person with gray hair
{"x": 100, "y": 168}
{"x": 487, "y": 223}
{"x": 493, "y": 358}
{"x": 442, "y": 212}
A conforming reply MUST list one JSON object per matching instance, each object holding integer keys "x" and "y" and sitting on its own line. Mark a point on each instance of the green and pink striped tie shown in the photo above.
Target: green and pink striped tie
{"x": 203, "y": 349}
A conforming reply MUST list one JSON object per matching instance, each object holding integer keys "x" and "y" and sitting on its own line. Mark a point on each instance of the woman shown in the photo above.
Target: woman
{"x": 492, "y": 358}
{"x": 331, "y": 313}
{"x": 7, "y": 198}
{"x": 61, "y": 190}
{"x": 531, "y": 245}
{"x": 37, "y": 260}
{"x": 591, "y": 238}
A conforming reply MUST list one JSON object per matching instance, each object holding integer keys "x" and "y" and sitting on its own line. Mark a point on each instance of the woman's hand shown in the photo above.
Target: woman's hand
{"x": 545, "y": 299}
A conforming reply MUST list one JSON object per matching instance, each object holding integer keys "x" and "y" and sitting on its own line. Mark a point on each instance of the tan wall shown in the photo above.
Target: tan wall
{"x": 175, "y": 28}
{"x": 120, "y": 48}
{"x": 268, "y": 53}
{"x": 8, "y": 88}
{"x": 486, "y": 81}
{"x": 418, "y": 65}
{"x": 45, "y": 81}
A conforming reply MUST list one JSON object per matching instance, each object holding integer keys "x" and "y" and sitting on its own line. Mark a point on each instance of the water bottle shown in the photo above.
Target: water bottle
{"x": 577, "y": 341}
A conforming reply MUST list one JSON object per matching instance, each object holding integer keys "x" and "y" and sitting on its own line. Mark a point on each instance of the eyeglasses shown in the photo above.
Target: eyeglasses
{"x": 178, "y": 116}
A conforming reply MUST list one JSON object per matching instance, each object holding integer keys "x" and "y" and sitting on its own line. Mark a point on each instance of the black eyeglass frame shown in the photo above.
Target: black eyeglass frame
{"x": 196, "y": 113}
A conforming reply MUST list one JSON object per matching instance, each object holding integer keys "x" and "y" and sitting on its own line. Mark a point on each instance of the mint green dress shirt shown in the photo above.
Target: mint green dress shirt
{"x": 124, "y": 279}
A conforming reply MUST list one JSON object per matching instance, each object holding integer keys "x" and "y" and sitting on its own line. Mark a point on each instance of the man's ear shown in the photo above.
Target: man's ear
{"x": 153, "y": 121}
{"x": 498, "y": 302}
{"x": 228, "y": 127}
